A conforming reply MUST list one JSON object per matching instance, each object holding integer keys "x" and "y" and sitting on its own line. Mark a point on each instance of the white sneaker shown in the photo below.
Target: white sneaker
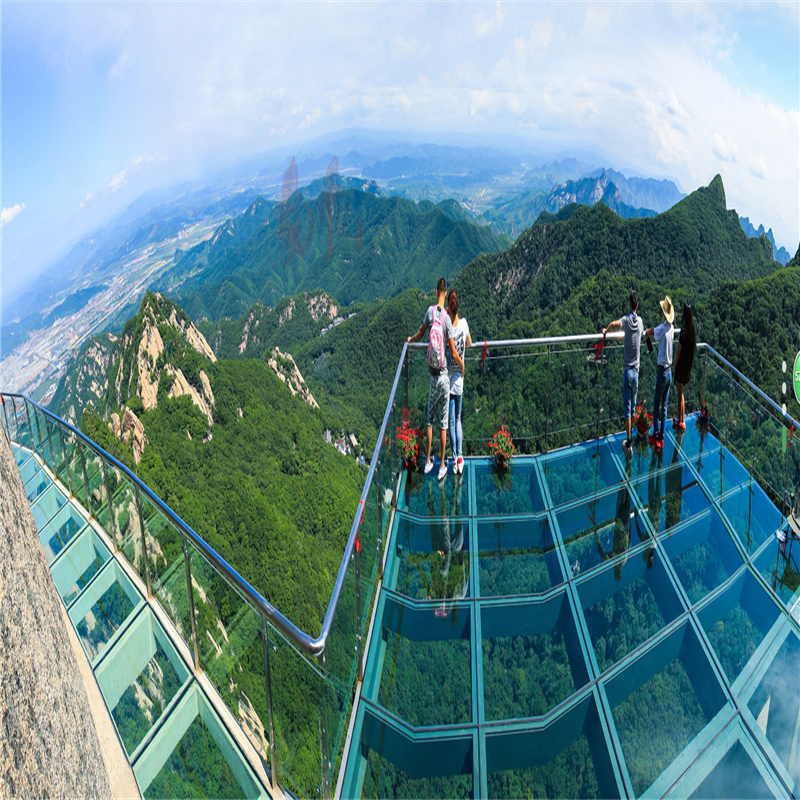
{"x": 443, "y": 471}
{"x": 460, "y": 465}
{"x": 428, "y": 466}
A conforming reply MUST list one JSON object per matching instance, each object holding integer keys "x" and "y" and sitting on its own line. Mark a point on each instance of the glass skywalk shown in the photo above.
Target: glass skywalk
{"x": 170, "y": 732}
{"x": 583, "y": 627}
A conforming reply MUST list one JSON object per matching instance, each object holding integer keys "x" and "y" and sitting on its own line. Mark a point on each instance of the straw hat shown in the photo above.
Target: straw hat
{"x": 668, "y": 309}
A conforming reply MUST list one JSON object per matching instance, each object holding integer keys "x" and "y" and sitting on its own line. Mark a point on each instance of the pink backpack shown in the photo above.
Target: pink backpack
{"x": 436, "y": 355}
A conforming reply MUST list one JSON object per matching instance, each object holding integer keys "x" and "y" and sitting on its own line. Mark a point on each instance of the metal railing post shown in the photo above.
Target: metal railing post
{"x": 66, "y": 464}
{"x": 359, "y": 639}
{"x": 758, "y": 425}
{"x": 547, "y": 413}
{"x": 30, "y": 431}
{"x": 405, "y": 382}
{"x": 85, "y": 481}
{"x": 16, "y": 421}
{"x": 728, "y": 412}
{"x": 5, "y": 416}
{"x": 786, "y": 494}
{"x": 144, "y": 542}
{"x": 323, "y": 735}
{"x": 273, "y": 751}
{"x": 395, "y": 471}
{"x": 187, "y": 559}
{"x": 111, "y": 522}
{"x": 379, "y": 508}
{"x": 50, "y": 445}
{"x": 703, "y": 389}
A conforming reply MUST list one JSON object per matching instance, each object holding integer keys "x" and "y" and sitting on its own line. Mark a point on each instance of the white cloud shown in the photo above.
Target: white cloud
{"x": 490, "y": 23}
{"x": 117, "y": 182}
{"x": 147, "y": 158}
{"x": 8, "y": 214}
{"x": 121, "y": 63}
{"x": 88, "y": 197}
{"x": 725, "y": 150}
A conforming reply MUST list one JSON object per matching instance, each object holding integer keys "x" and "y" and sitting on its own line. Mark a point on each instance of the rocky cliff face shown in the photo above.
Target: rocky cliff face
{"x": 285, "y": 368}
{"x": 48, "y": 743}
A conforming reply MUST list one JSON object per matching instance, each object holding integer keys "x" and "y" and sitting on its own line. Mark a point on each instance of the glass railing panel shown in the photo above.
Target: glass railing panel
{"x": 430, "y": 559}
{"x": 734, "y": 775}
{"x": 660, "y": 702}
{"x": 76, "y": 471}
{"x": 532, "y": 657}
{"x": 601, "y": 529}
{"x": 79, "y": 564}
{"x": 752, "y": 515}
{"x": 38, "y": 420}
{"x": 568, "y": 758}
{"x": 574, "y": 399}
{"x": 718, "y": 396}
{"x": 140, "y": 679}
{"x": 127, "y": 523}
{"x": 368, "y": 534}
{"x": 671, "y": 497}
{"x": 772, "y": 454}
{"x": 775, "y": 703}
{"x": 517, "y": 556}
{"x": 625, "y": 605}
{"x": 297, "y": 707}
{"x": 193, "y": 756}
{"x": 102, "y": 610}
{"x": 24, "y": 431}
{"x": 59, "y": 466}
{"x": 609, "y": 388}
{"x": 97, "y": 488}
{"x": 513, "y": 490}
{"x": 62, "y": 528}
{"x": 168, "y": 574}
{"x": 230, "y": 640}
{"x": 742, "y": 425}
{"x": 736, "y": 623}
{"x": 415, "y": 638}
{"x": 47, "y": 503}
{"x": 702, "y": 554}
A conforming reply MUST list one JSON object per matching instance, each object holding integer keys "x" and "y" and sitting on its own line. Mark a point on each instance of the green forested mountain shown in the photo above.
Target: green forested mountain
{"x": 518, "y": 212}
{"x": 351, "y": 244}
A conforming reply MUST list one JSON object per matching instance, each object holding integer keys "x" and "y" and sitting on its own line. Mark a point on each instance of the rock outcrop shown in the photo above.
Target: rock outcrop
{"x": 133, "y": 434}
{"x": 284, "y": 367}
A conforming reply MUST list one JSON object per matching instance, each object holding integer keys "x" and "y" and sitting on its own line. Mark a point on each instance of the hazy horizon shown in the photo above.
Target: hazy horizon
{"x": 103, "y": 103}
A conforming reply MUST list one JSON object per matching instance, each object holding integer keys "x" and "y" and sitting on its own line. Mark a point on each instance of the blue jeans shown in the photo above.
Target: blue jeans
{"x": 630, "y": 388}
{"x": 455, "y": 424}
{"x": 660, "y": 405}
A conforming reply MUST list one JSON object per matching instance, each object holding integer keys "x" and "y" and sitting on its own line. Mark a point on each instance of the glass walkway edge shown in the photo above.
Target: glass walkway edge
{"x": 584, "y": 626}
{"x": 175, "y": 730}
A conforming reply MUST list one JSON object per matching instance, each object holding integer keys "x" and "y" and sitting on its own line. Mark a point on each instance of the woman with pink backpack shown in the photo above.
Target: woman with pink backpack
{"x": 440, "y": 338}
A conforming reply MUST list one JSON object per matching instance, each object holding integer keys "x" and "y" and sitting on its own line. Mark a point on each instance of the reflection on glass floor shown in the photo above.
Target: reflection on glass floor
{"x": 584, "y": 626}
{"x": 174, "y": 740}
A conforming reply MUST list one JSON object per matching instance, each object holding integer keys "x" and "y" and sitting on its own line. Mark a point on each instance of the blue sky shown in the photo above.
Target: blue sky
{"x": 101, "y": 102}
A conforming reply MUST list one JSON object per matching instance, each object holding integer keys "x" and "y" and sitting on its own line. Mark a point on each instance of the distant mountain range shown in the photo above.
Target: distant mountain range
{"x": 779, "y": 253}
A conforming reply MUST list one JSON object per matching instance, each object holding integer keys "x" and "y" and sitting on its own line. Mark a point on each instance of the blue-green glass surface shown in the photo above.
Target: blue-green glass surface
{"x": 600, "y": 530}
{"x": 82, "y": 560}
{"x": 696, "y": 440}
{"x": 753, "y": 516}
{"x": 426, "y": 496}
{"x": 671, "y": 497}
{"x": 532, "y": 658}
{"x": 36, "y": 485}
{"x": 734, "y": 776}
{"x": 776, "y": 704}
{"x": 736, "y": 623}
{"x": 645, "y": 460}
{"x": 779, "y": 565}
{"x": 660, "y": 702}
{"x": 627, "y": 604}
{"x": 567, "y": 758}
{"x": 702, "y": 554}
{"x": 60, "y": 531}
{"x": 426, "y": 677}
{"x": 514, "y": 490}
{"x": 45, "y": 506}
{"x": 517, "y": 556}
{"x": 580, "y": 471}
{"x": 432, "y": 557}
{"x": 720, "y": 471}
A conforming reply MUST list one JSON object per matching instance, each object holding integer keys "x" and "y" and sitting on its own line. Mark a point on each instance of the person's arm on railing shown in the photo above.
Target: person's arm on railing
{"x": 612, "y": 326}
{"x": 417, "y": 336}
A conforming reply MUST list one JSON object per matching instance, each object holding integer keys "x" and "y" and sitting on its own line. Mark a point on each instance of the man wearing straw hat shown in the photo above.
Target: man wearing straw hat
{"x": 663, "y": 335}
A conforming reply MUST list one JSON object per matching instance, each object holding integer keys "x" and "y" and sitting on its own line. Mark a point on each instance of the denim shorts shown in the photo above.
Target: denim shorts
{"x": 630, "y": 388}
{"x": 439, "y": 401}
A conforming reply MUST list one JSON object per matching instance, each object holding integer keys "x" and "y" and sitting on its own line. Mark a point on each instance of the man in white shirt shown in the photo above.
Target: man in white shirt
{"x": 663, "y": 335}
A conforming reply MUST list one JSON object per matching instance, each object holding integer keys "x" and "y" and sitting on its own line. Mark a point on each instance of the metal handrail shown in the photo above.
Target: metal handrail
{"x": 315, "y": 646}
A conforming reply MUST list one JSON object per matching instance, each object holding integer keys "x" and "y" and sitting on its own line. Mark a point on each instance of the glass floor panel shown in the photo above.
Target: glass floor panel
{"x": 696, "y": 440}
{"x": 79, "y": 564}
{"x": 60, "y": 530}
{"x": 425, "y": 496}
{"x": 571, "y": 664}
{"x": 517, "y": 556}
{"x": 45, "y": 504}
{"x": 515, "y": 491}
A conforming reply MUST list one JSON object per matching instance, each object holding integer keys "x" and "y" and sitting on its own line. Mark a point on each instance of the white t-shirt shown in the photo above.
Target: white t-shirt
{"x": 460, "y": 334}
